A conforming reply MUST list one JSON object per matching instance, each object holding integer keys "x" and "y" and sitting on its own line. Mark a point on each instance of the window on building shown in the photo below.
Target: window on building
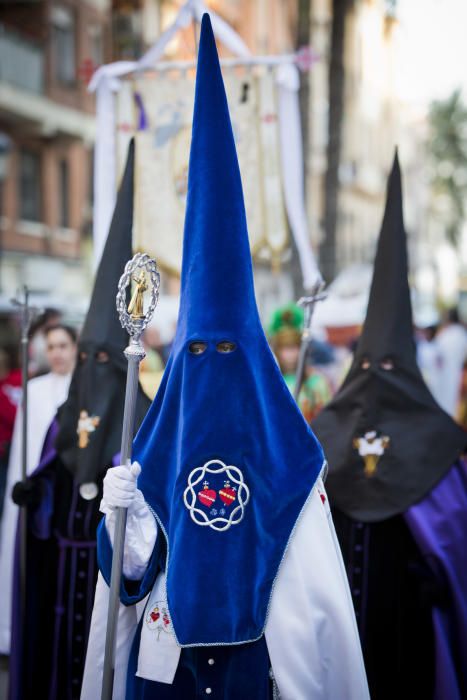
{"x": 64, "y": 44}
{"x": 126, "y": 31}
{"x": 96, "y": 49}
{"x": 86, "y": 226}
{"x": 64, "y": 194}
{"x": 30, "y": 205}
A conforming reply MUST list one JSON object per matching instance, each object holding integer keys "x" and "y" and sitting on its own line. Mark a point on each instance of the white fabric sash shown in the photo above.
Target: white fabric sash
{"x": 159, "y": 653}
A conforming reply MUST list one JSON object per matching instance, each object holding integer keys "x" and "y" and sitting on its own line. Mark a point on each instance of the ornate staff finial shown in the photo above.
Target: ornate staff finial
{"x": 134, "y": 319}
{"x": 136, "y": 305}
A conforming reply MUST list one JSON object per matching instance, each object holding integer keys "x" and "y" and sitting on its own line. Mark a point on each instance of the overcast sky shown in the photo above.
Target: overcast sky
{"x": 433, "y": 48}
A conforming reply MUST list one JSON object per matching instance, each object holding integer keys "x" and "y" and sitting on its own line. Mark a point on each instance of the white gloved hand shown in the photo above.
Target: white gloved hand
{"x": 120, "y": 487}
{"x": 141, "y": 530}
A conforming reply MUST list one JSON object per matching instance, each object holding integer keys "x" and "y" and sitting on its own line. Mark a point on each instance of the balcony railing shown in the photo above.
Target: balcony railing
{"x": 21, "y": 61}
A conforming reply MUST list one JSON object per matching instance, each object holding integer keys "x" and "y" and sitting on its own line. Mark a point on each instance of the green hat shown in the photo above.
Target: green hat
{"x": 286, "y": 325}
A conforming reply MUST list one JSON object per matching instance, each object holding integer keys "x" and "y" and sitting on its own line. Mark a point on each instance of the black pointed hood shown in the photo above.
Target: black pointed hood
{"x": 388, "y": 328}
{"x": 386, "y": 439}
{"x": 91, "y": 418}
{"x": 102, "y": 326}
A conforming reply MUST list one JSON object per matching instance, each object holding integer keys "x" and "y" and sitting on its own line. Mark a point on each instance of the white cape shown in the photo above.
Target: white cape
{"x": 45, "y": 395}
{"x": 311, "y": 632}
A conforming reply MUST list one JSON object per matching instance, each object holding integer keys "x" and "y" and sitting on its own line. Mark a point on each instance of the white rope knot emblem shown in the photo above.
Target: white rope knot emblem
{"x": 235, "y": 494}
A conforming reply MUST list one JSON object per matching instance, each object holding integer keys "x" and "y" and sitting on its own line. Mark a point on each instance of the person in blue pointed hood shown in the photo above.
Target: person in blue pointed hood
{"x": 228, "y": 532}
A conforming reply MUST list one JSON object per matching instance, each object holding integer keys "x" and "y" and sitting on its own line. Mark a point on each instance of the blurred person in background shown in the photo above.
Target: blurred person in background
{"x": 461, "y": 415}
{"x": 152, "y": 366}
{"x": 285, "y": 335}
{"x": 45, "y": 394}
{"x": 153, "y": 346}
{"x": 429, "y": 357}
{"x": 452, "y": 343}
{"x": 10, "y": 398}
{"x": 160, "y": 333}
{"x": 38, "y": 358}
{"x": 153, "y": 343}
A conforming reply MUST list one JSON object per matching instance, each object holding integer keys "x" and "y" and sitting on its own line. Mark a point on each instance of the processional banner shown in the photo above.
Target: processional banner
{"x": 157, "y": 109}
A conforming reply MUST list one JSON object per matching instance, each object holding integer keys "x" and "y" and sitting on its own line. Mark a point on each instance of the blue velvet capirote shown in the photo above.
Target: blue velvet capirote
{"x": 229, "y": 671}
{"x": 233, "y": 407}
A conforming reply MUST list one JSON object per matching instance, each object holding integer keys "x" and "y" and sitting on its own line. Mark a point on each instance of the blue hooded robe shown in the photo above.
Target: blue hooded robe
{"x": 228, "y": 462}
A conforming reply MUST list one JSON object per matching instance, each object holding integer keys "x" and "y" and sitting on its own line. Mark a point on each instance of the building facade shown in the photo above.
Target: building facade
{"x": 48, "y": 51}
{"x": 369, "y": 128}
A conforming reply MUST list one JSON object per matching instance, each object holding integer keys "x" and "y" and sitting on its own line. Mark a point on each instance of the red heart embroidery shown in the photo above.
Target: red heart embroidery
{"x": 154, "y": 616}
{"x": 207, "y": 497}
{"x": 227, "y": 495}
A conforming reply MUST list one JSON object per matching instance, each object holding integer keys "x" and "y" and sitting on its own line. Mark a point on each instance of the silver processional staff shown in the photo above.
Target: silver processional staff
{"x": 308, "y": 304}
{"x": 142, "y": 270}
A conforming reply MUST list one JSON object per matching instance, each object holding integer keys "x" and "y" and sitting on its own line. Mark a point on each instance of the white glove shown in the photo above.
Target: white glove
{"x": 141, "y": 529}
{"x": 120, "y": 487}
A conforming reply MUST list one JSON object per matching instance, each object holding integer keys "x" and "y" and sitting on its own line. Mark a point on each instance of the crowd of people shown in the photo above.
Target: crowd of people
{"x": 441, "y": 354}
{"x": 262, "y": 558}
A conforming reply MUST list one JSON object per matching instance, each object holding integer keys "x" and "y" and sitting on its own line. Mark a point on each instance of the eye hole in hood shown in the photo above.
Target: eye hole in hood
{"x": 197, "y": 347}
{"x": 387, "y": 364}
{"x": 102, "y": 357}
{"x": 225, "y": 347}
{"x": 365, "y": 364}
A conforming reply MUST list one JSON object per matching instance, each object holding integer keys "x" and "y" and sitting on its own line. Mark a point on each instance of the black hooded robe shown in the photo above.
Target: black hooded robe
{"x": 48, "y": 650}
{"x": 400, "y": 519}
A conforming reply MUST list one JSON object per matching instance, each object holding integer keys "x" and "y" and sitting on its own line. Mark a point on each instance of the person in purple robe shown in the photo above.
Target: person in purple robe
{"x": 398, "y": 486}
{"x": 62, "y": 496}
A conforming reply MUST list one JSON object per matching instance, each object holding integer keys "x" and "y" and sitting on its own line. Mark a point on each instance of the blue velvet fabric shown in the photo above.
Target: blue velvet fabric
{"x": 233, "y": 407}
{"x": 239, "y": 670}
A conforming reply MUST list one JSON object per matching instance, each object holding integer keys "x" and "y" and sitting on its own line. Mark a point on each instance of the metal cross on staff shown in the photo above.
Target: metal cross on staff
{"x": 27, "y": 315}
{"x": 308, "y": 304}
{"x": 134, "y": 320}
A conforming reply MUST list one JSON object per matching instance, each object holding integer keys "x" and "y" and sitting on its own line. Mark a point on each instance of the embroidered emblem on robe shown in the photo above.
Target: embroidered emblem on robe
{"x": 223, "y": 507}
{"x": 86, "y": 424}
{"x": 371, "y": 447}
{"x": 158, "y": 619}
